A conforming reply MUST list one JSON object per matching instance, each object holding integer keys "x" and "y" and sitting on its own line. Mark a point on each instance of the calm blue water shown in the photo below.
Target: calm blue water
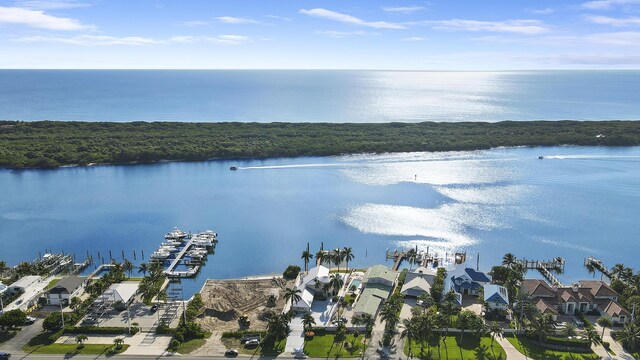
{"x": 318, "y": 96}
{"x": 578, "y": 201}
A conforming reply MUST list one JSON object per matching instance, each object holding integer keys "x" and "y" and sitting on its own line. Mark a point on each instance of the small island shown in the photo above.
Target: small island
{"x": 51, "y": 144}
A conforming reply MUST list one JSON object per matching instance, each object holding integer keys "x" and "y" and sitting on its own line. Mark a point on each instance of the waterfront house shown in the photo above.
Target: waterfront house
{"x": 465, "y": 281}
{"x": 588, "y": 296}
{"x": 378, "y": 284}
{"x": 496, "y": 297}
{"x": 416, "y": 286}
{"x": 66, "y": 289}
{"x": 310, "y": 285}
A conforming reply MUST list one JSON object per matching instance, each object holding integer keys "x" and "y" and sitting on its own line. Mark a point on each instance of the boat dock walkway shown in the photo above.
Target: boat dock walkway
{"x": 545, "y": 268}
{"x": 422, "y": 258}
{"x": 204, "y": 241}
{"x": 598, "y": 265}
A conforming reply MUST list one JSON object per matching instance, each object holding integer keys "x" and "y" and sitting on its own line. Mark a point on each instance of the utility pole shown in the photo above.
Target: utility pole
{"x": 61, "y": 313}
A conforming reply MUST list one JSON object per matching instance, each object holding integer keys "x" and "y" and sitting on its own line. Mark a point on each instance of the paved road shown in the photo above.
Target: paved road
{"x": 22, "y": 337}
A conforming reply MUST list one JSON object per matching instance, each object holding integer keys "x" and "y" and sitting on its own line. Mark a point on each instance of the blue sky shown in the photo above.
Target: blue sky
{"x": 301, "y": 34}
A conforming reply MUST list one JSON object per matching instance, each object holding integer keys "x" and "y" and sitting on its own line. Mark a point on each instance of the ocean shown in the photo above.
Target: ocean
{"x": 317, "y": 95}
{"x": 574, "y": 203}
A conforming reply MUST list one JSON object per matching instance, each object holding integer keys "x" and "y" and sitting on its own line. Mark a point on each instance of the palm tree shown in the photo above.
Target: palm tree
{"x": 411, "y": 257}
{"x": 540, "y": 326}
{"x": 336, "y": 282}
{"x": 128, "y": 266}
{"x": 591, "y": 269}
{"x": 592, "y": 336}
{"x": 569, "y": 329}
{"x": 74, "y": 303}
{"x": 292, "y": 295}
{"x": 629, "y": 336}
{"x": 616, "y": 270}
{"x": 118, "y": 342}
{"x": 3, "y": 268}
{"x": 321, "y": 257}
{"x": 605, "y": 322}
{"x": 508, "y": 260}
{"x": 409, "y": 332}
{"x": 80, "y": 339}
{"x": 143, "y": 268}
{"x": 347, "y": 253}
{"x": 308, "y": 321}
{"x": 336, "y": 256}
{"x": 465, "y": 319}
{"x": 306, "y": 256}
{"x": 495, "y": 330}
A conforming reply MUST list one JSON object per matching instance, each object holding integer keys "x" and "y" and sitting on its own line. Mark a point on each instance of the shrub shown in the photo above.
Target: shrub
{"x": 291, "y": 272}
{"x": 606, "y": 345}
{"x": 100, "y": 330}
{"x": 575, "y": 343}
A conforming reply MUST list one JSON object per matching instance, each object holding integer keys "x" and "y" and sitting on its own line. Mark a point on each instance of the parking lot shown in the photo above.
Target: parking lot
{"x": 138, "y": 312}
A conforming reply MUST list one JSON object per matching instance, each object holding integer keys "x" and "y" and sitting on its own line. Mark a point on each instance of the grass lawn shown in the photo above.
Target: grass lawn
{"x": 277, "y": 349}
{"x": 470, "y": 347}
{"x": 191, "y": 345}
{"x": 324, "y": 346}
{"x": 535, "y": 351}
{"x": 51, "y": 284}
{"x": 41, "y": 345}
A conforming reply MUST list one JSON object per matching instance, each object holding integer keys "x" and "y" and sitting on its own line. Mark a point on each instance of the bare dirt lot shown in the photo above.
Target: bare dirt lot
{"x": 226, "y": 300}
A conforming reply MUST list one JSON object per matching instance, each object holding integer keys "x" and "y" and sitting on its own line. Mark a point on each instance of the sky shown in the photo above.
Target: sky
{"x": 304, "y": 34}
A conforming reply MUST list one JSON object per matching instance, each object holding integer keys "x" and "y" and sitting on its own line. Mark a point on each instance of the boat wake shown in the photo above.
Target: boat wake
{"x": 593, "y": 157}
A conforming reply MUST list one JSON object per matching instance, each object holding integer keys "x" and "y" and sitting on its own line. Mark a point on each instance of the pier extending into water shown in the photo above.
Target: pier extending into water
{"x": 423, "y": 258}
{"x": 186, "y": 249}
{"x": 597, "y": 264}
{"x": 545, "y": 268}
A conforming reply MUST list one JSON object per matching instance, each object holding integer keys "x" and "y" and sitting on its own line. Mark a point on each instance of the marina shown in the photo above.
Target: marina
{"x": 183, "y": 253}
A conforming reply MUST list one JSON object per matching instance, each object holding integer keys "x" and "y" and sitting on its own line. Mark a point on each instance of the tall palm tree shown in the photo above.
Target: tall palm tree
{"x": 143, "y": 268}
{"x": 292, "y": 295}
{"x": 495, "y": 330}
{"x": 306, "y": 256}
{"x": 336, "y": 282}
{"x": 410, "y": 332}
{"x": 336, "y": 256}
{"x": 508, "y": 260}
{"x": 616, "y": 270}
{"x": 605, "y": 322}
{"x": 541, "y": 326}
{"x": 321, "y": 257}
{"x": 629, "y": 336}
{"x": 591, "y": 269}
{"x": 569, "y": 329}
{"x": 128, "y": 266}
{"x": 347, "y": 253}
{"x": 464, "y": 321}
{"x": 80, "y": 339}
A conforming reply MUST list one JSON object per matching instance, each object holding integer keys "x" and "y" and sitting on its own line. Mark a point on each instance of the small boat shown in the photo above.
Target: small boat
{"x": 233, "y": 168}
{"x": 540, "y": 157}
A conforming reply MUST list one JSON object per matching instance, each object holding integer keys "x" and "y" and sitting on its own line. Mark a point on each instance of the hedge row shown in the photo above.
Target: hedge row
{"x": 240, "y": 333}
{"x": 100, "y": 330}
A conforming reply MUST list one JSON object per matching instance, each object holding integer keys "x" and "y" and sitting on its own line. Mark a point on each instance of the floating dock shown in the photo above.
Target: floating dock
{"x": 181, "y": 248}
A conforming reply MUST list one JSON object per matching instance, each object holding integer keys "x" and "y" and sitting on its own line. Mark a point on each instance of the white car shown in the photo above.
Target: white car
{"x": 30, "y": 320}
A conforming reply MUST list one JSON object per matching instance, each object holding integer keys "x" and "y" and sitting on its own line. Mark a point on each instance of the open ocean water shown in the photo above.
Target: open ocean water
{"x": 578, "y": 201}
{"x": 318, "y": 96}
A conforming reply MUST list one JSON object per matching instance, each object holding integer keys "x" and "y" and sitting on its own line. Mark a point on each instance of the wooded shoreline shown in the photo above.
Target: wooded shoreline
{"x": 51, "y": 144}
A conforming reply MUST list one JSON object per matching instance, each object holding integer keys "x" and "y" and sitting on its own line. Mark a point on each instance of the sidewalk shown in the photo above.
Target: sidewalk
{"x": 510, "y": 350}
{"x": 142, "y": 343}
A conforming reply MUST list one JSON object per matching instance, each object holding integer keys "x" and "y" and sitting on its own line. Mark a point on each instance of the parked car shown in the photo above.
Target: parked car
{"x": 154, "y": 308}
{"x": 231, "y": 353}
{"x": 578, "y": 322}
{"x": 4, "y": 355}
{"x": 252, "y": 343}
{"x": 421, "y": 303}
{"x": 30, "y": 320}
{"x": 247, "y": 337}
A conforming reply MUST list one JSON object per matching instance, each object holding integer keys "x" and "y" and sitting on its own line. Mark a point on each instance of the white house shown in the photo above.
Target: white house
{"x": 65, "y": 290}
{"x": 309, "y": 285}
{"x": 496, "y": 296}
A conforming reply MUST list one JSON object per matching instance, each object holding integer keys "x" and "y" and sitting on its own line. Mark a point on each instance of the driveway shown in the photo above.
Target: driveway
{"x": 22, "y": 337}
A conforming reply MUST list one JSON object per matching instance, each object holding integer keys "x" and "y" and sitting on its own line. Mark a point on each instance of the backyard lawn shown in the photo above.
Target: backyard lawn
{"x": 470, "y": 348}
{"x": 322, "y": 346}
{"x": 535, "y": 351}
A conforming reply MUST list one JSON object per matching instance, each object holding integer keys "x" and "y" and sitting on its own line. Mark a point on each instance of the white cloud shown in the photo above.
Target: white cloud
{"x": 626, "y": 38}
{"x": 588, "y": 59}
{"x": 282, "y": 18}
{"x": 236, "y": 20}
{"x": 220, "y": 39}
{"x": 351, "y": 20}
{"x": 38, "y": 19}
{"x": 343, "y": 34}
{"x": 92, "y": 40}
{"x": 528, "y": 27}
{"x": 51, "y": 4}
{"x": 196, "y": 23}
{"x": 403, "y": 9}
{"x": 413, "y": 38}
{"x": 606, "y": 20}
{"x": 103, "y": 40}
{"x": 544, "y": 11}
{"x": 608, "y": 4}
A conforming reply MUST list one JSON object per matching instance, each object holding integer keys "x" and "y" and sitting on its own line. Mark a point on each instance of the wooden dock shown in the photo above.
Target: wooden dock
{"x": 598, "y": 265}
{"x": 198, "y": 241}
{"x": 422, "y": 258}
{"x": 546, "y": 268}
